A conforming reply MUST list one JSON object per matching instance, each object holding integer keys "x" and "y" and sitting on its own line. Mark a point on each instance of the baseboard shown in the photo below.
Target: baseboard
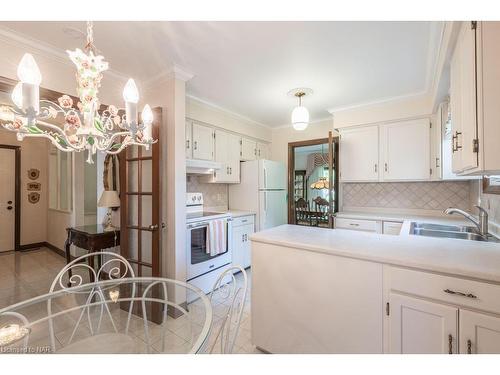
{"x": 55, "y": 249}
{"x": 32, "y": 246}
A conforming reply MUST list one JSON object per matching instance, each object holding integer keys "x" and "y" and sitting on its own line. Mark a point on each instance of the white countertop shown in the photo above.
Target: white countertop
{"x": 240, "y": 213}
{"x": 478, "y": 260}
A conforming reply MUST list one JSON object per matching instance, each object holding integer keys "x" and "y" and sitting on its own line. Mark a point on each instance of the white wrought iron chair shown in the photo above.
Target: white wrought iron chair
{"x": 232, "y": 294}
{"x": 116, "y": 268}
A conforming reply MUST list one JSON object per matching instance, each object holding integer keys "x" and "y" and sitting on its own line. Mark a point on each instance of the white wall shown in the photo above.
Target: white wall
{"x": 385, "y": 111}
{"x": 200, "y": 111}
{"x": 282, "y": 136}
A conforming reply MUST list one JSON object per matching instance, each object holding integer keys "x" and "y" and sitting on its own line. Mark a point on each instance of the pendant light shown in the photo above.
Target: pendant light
{"x": 300, "y": 114}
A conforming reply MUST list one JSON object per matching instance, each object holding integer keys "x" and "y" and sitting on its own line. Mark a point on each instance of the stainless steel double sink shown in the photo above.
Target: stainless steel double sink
{"x": 449, "y": 231}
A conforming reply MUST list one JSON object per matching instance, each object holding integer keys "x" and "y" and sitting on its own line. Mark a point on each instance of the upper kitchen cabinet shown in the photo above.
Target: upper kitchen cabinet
{"x": 227, "y": 152}
{"x": 203, "y": 141}
{"x": 248, "y": 149}
{"x": 189, "y": 137}
{"x": 405, "y": 150}
{"x": 359, "y": 154}
{"x": 474, "y": 97}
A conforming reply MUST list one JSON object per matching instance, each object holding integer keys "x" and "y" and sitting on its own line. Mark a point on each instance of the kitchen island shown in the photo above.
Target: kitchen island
{"x": 340, "y": 291}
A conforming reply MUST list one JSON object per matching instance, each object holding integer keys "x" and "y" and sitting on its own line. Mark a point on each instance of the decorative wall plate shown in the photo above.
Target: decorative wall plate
{"x": 33, "y": 197}
{"x": 33, "y": 173}
{"x": 34, "y": 186}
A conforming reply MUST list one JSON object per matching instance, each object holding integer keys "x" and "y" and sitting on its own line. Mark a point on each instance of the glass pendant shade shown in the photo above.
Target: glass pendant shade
{"x": 130, "y": 92}
{"x": 321, "y": 184}
{"x": 28, "y": 72}
{"x": 300, "y": 118}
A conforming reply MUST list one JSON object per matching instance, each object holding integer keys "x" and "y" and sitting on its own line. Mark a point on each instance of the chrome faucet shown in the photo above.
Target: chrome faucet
{"x": 481, "y": 224}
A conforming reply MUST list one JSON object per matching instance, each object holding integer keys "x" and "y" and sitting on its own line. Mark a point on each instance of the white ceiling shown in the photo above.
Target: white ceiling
{"x": 248, "y": 67}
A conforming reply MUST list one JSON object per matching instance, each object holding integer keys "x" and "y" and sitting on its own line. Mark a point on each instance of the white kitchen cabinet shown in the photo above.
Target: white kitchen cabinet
{"x": 418, "y": 326}
{"x": 358, "y": 224}
{"x": 248, "y": 149}
{"x": 392, "y": 227}
{"x": 203, "y": 142}
{"x": 262, "y": 150}
{"x": 479, "y": 333}
{"x": 189, "y": 138}
{"x": 405, "y": 150}
{"x": 359, "y": 154}
{"x": 474, "y": 97}
{"x": 243, "y": 227}
{"x": 227, "y": 153}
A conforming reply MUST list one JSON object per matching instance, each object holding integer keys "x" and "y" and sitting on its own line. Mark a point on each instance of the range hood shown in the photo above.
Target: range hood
{"x": 205, "y": 167}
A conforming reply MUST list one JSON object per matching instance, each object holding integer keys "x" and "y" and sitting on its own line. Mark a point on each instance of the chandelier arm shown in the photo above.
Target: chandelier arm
{"x": 123, "y": 146}
{"x": 55, "y": 143}
{"x": 61, "y": 133}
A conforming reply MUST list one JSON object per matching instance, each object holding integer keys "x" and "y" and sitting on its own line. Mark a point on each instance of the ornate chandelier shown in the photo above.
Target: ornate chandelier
{"x": 86, "y": 126}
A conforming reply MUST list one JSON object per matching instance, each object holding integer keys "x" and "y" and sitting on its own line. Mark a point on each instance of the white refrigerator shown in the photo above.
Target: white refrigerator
{"x": 262, "y": 190}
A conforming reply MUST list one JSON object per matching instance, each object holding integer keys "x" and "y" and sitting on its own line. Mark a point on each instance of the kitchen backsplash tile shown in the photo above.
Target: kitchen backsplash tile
{"x": 214, "y": 195}
{"x": 408, "y": 195}
{"x": 490, "y": 202}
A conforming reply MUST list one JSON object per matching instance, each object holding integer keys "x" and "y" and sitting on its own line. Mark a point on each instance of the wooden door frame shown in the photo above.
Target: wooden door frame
{"x": 333, "y": 150}
{"x": 17, "y": 195}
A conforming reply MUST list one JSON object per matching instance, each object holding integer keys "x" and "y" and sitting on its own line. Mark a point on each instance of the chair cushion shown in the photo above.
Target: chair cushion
{"x": 105, "y": 343}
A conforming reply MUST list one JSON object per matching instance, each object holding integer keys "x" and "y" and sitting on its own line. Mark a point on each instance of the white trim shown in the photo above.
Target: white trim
{"x": 174, "y": 71}
{"x": 222, "y": 109}
{"x": 47, "y": 50}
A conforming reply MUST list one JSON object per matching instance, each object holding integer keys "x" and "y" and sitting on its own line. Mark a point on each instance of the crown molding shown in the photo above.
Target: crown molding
{"x": 228, "y": 111}
{"x": 174, "y": 71}
{"x": 47, "y": 50}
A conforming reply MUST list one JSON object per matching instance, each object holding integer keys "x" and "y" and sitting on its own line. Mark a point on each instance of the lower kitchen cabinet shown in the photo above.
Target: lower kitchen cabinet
{"x": 479, "y": 333}
{"x": 243, "y": 227}
{"x": 418, "y": 326}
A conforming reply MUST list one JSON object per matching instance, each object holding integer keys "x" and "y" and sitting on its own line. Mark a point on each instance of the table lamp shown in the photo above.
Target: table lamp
{"x": 109, "y": 199}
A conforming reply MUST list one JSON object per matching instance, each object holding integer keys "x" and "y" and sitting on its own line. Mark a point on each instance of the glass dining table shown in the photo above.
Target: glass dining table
{"x": 127, "y": 315}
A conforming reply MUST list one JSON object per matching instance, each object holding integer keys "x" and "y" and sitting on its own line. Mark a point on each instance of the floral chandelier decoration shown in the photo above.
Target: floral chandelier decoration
{"x": 86, "y": 127}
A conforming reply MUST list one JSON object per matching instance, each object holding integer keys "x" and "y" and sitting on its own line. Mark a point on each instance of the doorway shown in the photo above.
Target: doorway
{"x": 313, "y": 181}
{"x": 10, "y": 205}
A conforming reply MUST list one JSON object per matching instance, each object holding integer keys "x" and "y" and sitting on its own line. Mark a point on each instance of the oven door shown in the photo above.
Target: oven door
{"x": 199, "y": 261}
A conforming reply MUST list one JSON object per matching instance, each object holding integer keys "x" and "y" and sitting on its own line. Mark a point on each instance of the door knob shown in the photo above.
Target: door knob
{"x": 9, "y": 202}
{"x": 9, "y": 208}
{"x": 153, "y": 227}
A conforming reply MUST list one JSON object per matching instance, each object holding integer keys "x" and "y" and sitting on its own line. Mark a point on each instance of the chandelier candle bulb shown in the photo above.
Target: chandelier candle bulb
{"x": 17, "y": 95}
{"x": 30, "y": 77}
{"x": 131, "y": 97}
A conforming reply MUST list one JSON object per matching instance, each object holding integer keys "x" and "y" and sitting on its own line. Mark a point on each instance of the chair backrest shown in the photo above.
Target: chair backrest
{"x": 115, "y": 267}
{"x": 227, "y": 291}
{"x": 302, "y": 210}
{"x": 320, "y": 204}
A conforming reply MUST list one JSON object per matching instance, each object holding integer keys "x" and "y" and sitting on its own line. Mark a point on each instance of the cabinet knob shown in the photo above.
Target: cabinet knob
{"x": 450, "y": 344}
{"x": 469, "y": 347}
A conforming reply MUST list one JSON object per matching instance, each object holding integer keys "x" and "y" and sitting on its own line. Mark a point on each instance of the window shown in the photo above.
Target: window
{"x": 60, "y": 180}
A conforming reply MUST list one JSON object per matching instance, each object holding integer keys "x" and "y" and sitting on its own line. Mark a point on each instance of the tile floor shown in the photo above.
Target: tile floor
{"x": 25, "y": 275}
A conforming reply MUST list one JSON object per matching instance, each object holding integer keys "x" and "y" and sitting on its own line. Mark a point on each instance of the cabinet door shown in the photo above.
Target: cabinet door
{"x": 262, "y": 151}
{"x": 479, "y": 333}
{"x": 465, "y": 140}
{"x": 456, "y": 109}
{"x": 238, "y": 245}
{"x": 421, "y": 327}
{"x": 189, "y": 142}
{"x": 248, "y": 149}
{"x": 233, "y": 158}
{"x": 247, "y": 248}
{"x": 406, "y": 150}
{"x": 359, "y": 154}
{"x": 203, "y": 142}
{"x": 222, "y": 155}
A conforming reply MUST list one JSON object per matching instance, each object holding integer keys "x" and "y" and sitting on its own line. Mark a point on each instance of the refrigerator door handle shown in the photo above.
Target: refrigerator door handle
{"x": 265, "y": 201}
{"x": 265, "y": 178}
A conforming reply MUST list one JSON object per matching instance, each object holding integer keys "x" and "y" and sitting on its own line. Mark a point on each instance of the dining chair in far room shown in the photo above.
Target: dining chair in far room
{"x": 89, "y": 306}
{"x": 230, "y": 294}
{"x": 302, "y": 212}
{"x": 321, "y": 207}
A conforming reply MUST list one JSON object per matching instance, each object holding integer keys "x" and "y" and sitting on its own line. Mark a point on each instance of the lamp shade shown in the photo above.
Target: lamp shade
{"x": 300, "y": 118}
{"x": 109, "y": 198}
